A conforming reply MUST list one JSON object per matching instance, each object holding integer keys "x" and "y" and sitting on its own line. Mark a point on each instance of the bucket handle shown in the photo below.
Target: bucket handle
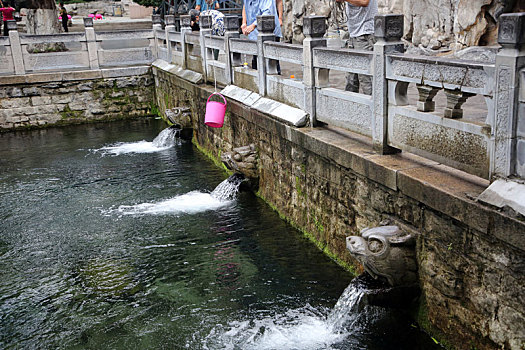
{"x": 217, "y": 93}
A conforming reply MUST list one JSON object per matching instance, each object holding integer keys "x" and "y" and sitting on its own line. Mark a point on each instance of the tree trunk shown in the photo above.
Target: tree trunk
{"x": 42, "y": 18}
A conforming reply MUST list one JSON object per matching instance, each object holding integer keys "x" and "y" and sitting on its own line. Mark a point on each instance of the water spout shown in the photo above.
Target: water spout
{"x": 227, "y": 190}
{"x": 167, "y": 137}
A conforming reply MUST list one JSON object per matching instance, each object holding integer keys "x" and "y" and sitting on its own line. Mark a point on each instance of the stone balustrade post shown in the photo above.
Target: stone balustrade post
{"x": 508, "y": 156}
{"x": 314, "y": 29}
{"x": 16, "y": 47}
{"x": 206, "y": 54}
{"x": 157, "y": 25}
{"x": 388, "y": 33}
{"x": 91, "y": 43}
{"x": 185, "y": 27}
{"x": 169, "y": 28}
{"x": 265, "y": 26}
{"x": 231, "y": 30}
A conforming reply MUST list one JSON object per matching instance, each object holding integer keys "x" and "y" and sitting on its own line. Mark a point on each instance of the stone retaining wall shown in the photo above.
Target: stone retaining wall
{"x": 330, "y": 184}
{"x": 37, "y": 100}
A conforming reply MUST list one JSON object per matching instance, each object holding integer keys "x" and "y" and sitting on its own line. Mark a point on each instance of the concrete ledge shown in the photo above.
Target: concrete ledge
{"x": 189, "y": 75}
{"x": 73, "y": 75}
{"x": 284, "y": 113}
{"x": 124, "y": 71}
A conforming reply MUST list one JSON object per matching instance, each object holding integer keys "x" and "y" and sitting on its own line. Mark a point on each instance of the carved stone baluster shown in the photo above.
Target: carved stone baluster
{"x": 170, "y": 27}
{"x": 314, "y": 28}
{"x": 509, "y": 150}
{"x": 231, "y": 30}
{"x": 426, "y": 96}
{"x": 16, "y": 47}
{"x": 388, "y": 33}
{"x": 455, "y": 99}
{"x": 266, "y": 26}
{"x": 185, "y": 22}
{"x": 157, "y": 25}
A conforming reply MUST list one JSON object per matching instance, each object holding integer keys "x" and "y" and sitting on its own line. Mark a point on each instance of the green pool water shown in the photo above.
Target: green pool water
{"x": 108, "y": 242}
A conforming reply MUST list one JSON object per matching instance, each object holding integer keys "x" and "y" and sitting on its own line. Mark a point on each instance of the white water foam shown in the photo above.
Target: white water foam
{"x": 165, "y": 140}
{"x": 305, "y": 328}
{"x": 189, "y": 203}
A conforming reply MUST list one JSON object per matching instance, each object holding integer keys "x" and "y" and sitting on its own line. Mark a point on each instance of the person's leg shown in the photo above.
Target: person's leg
{"x": 277, "y": 39}
{"x": 64, "y": 25}
{"x": 365, "y": 42}
{"x": 352, "y": 81}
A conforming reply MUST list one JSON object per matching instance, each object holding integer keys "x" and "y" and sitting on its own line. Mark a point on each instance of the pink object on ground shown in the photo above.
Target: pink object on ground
{"x": 215, "y": 112}
{"x": 91, "y": 15}
{"x": 98, "y": 16}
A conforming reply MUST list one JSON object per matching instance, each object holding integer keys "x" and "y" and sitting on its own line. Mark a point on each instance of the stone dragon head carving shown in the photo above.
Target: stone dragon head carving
{"x": 243, "y": 160}
{"x": 386, "y": 252}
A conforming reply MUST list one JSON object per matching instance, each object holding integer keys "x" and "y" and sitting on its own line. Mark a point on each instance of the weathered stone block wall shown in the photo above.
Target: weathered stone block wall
{"x": 54, "y": 99}
{"x": 330, "y": 184}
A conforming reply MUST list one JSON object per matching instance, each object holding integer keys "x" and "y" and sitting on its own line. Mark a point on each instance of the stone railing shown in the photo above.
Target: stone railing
{"x": 88, "y": 50}
{"x": 490, "y": 146}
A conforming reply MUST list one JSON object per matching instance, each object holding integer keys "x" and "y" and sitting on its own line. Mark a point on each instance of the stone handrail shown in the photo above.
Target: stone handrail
{"x": 468, "y": 76}
{"x": 486, "y": 149}
{"x": 192, "y": 38}
{"x": 21, "y": 59}
{"x": 243, "y": 46}
{"x": 215, "y": 42}
{"x": 346, "y": 60}
{"x": 52, "y": 38}
{"x": 124, "y": 35}
{"x": 284, "y": 52}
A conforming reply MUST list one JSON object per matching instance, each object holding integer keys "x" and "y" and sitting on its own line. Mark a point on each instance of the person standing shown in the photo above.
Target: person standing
{"x": 7, "y": 15}
{"x": 63, "y": 15}
{"x": 250, "y": 10}
{"x": 204, "y": 5}
{"x": 360, "y": 21}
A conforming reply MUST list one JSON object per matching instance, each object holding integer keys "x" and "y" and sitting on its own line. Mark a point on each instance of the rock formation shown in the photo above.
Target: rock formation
{"x": 433, "y": 24}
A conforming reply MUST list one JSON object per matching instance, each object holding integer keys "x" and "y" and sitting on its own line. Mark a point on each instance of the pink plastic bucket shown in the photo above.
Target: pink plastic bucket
{"x": 215, "y": 112}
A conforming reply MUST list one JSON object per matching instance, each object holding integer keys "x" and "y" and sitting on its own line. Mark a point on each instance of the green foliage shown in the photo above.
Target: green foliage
{"x": 149, "y": 2}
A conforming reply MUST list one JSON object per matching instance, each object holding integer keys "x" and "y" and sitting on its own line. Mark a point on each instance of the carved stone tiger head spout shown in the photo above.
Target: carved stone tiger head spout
{"x": 387, "y": 253}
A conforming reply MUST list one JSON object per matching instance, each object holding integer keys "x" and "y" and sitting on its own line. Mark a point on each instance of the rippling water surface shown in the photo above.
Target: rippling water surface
{"x": 111, "y": 241}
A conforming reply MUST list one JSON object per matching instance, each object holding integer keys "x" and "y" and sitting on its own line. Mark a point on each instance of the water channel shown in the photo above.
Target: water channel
{"x": 111, "y": 241}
